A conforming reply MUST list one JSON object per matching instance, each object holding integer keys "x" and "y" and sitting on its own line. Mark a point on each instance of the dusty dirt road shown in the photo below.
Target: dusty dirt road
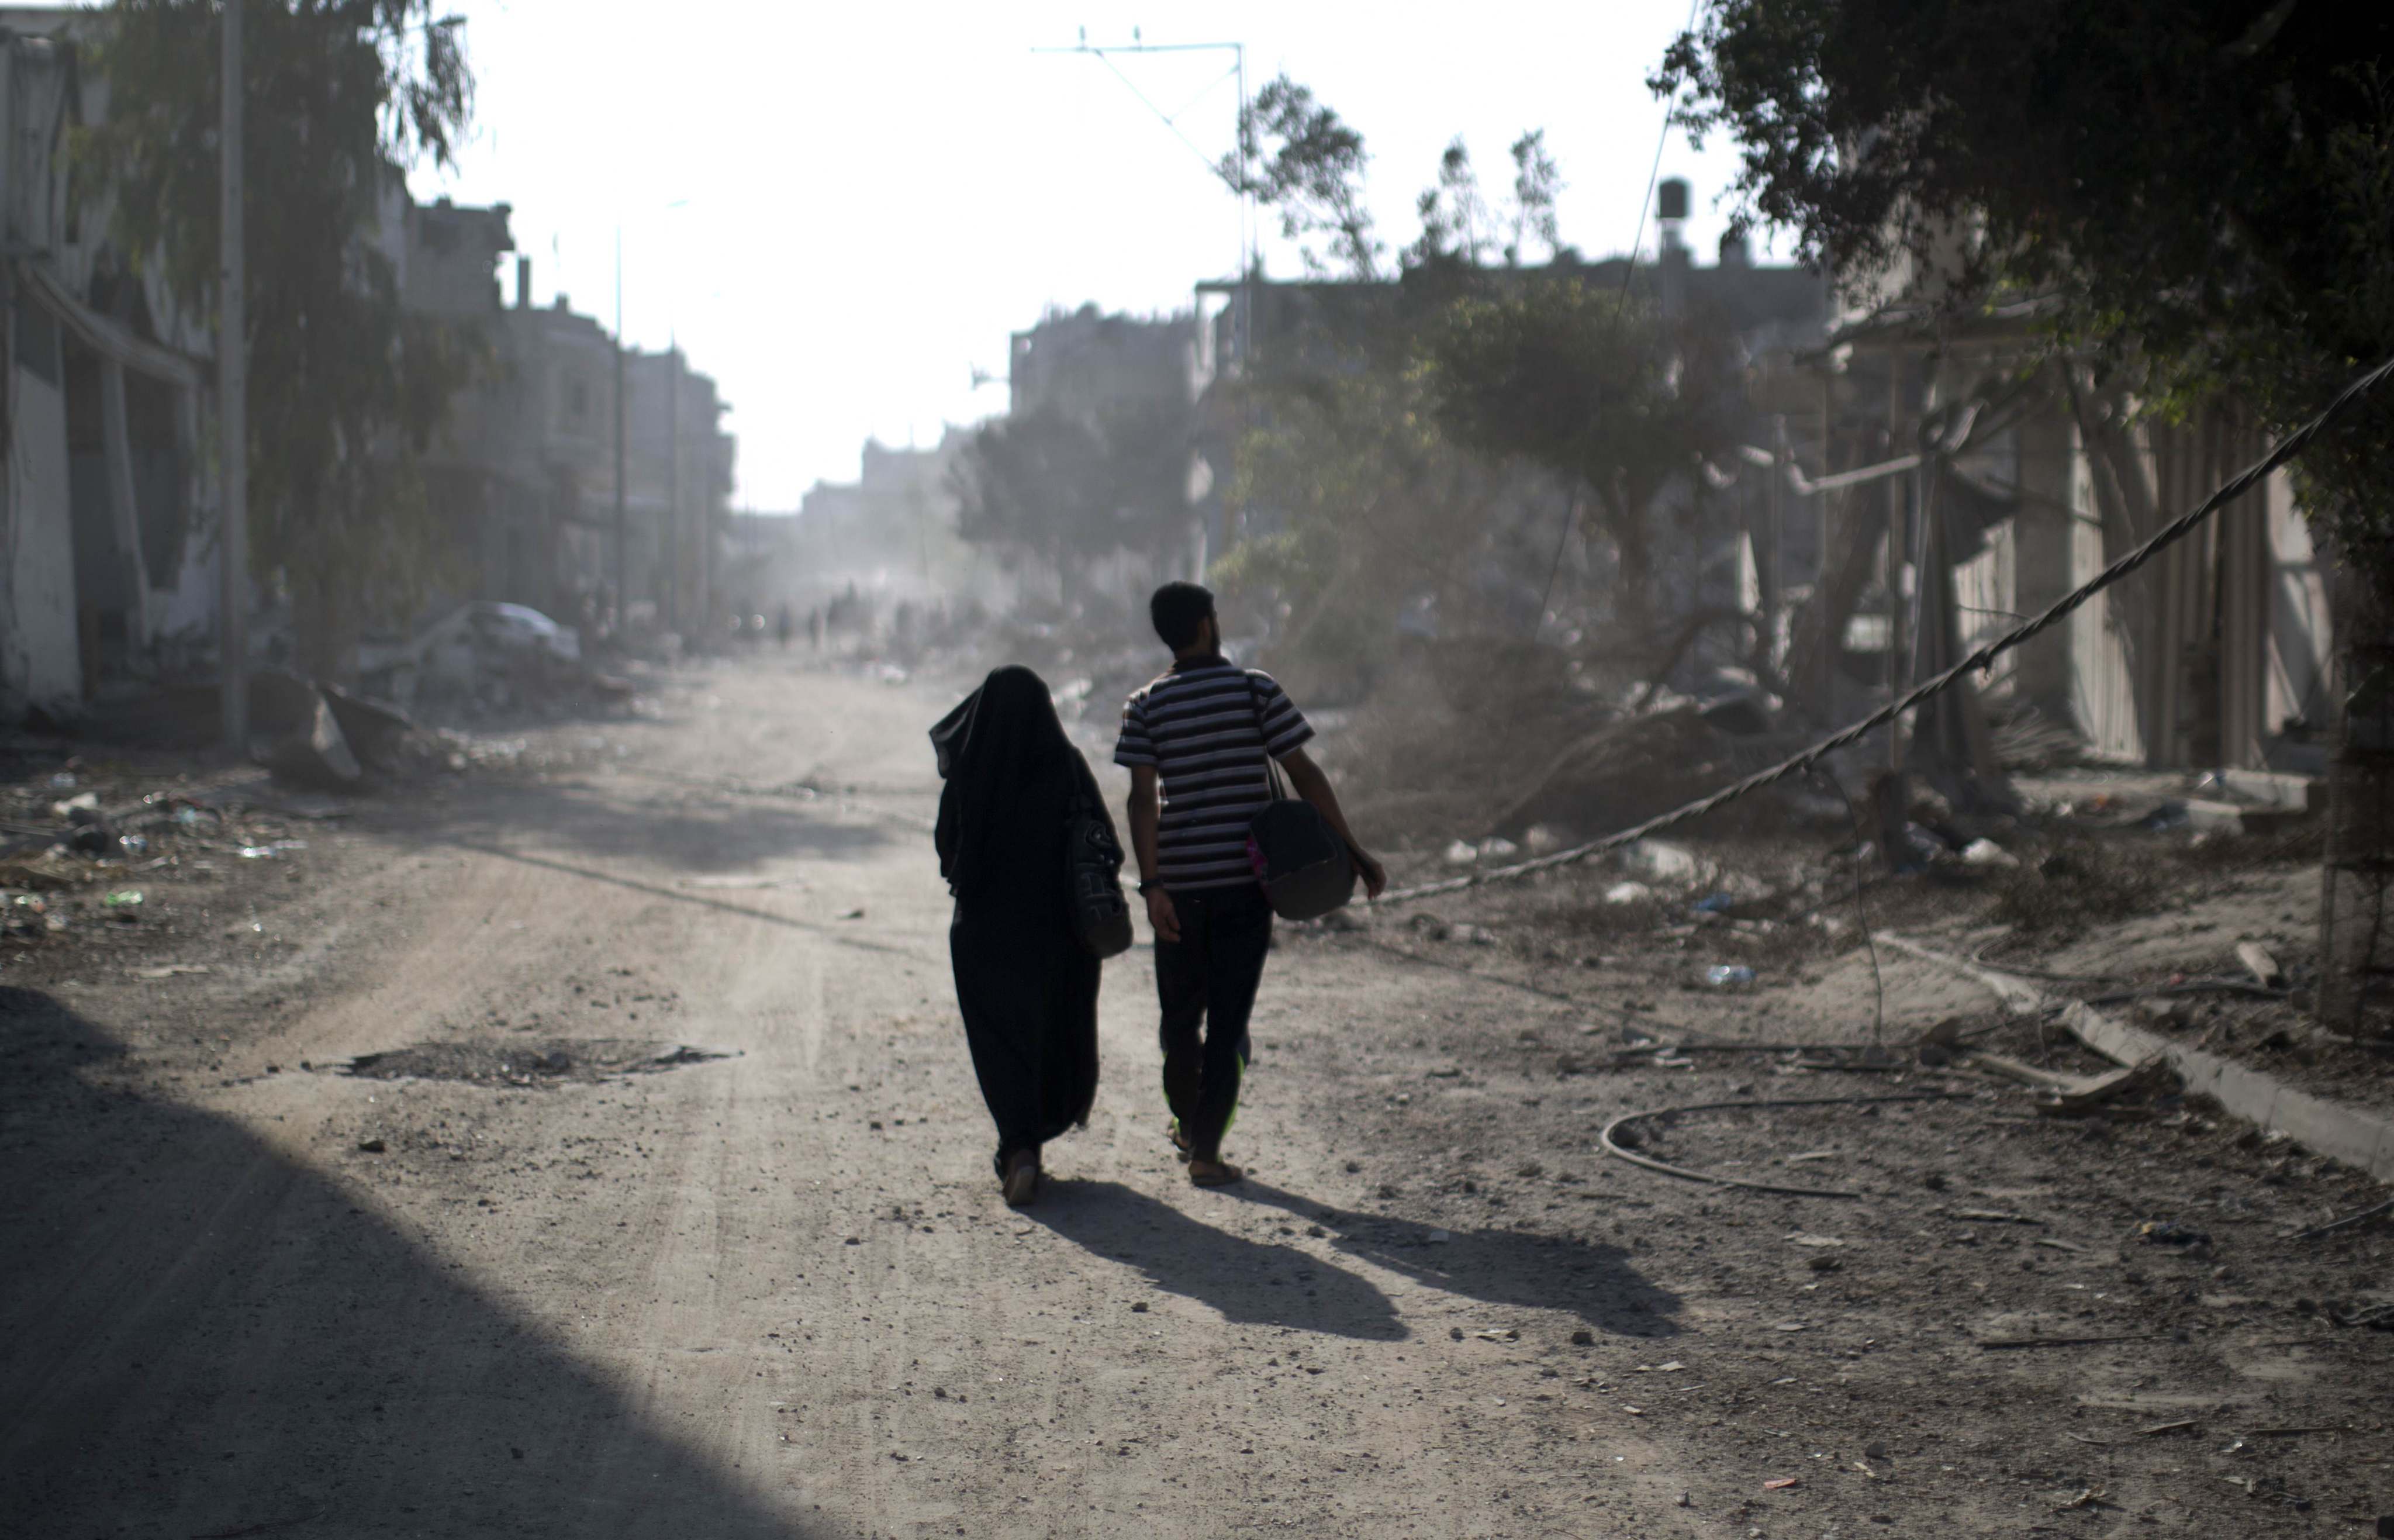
{"x": 518, "y": 1277}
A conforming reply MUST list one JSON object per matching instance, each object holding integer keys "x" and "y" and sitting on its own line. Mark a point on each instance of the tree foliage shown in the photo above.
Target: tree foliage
{"x": 1384, "y": 445}
{"x": 1068, "y": 489}
{"x": 2205, "y": 186}
{"x": 1301, "y": 158}
{"x": 1595, "y": 387}
{"x": 346, "y": 388}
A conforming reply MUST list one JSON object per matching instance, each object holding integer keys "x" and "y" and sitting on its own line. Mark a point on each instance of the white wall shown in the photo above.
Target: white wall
{"x": 40, "y": 661}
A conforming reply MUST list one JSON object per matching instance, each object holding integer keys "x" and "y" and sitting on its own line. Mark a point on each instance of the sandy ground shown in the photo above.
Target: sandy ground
{"x": 519, "y": 1277}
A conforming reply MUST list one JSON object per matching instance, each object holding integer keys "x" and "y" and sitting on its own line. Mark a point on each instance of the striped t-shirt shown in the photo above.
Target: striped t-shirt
{"x": 1204, "y": 726}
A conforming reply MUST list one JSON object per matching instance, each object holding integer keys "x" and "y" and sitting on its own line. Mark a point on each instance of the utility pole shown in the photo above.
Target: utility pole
{"x": 623, "y": 524}
{"x": 673, "y": 476}
{"x": 232, "y": 399}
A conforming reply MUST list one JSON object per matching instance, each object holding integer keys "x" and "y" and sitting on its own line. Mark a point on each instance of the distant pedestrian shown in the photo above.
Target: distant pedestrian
{"x": 783, "y": 626}
{"x": 1195, "y": 742}
{"x": 1026, "y": 983}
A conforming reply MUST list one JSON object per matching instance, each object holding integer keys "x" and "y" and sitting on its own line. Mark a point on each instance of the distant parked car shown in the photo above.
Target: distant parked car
{"x": 519, "y": 625}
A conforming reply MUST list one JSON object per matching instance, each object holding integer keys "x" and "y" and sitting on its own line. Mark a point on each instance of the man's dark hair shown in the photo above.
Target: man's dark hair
{"x": 1179, "y": 611}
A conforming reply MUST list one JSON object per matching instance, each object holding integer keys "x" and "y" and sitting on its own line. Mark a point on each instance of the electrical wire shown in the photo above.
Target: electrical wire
{"x": 2236, "y": 486}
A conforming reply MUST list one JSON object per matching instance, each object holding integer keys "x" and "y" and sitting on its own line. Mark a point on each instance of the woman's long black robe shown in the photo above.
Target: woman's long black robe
{"x": 1027, "y": 986}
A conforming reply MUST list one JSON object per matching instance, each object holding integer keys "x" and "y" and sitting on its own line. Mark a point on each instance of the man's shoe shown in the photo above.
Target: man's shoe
{"x": 1214, "y": 1173}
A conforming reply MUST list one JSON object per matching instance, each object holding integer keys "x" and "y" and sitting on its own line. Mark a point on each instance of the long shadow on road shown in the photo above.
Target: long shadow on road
{"x": 1514, "y": 1268}
{"x": 1248, "y": 1281}
{"x": 204, "y": 1338}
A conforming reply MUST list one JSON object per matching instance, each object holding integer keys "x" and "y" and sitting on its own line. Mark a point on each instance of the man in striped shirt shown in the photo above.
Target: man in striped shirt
{"x": 1195, "y": 742}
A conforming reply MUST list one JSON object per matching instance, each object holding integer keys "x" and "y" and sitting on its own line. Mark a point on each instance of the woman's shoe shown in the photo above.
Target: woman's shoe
{"x": 1021, "y": 1177}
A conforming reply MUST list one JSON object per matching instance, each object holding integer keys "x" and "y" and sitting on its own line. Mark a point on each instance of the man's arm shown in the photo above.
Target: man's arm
{"x": 1145, "y": 811}
{"x": 1314, "y": 786}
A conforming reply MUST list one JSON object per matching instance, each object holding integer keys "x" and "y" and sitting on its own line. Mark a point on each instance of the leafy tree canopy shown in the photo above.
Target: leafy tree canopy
{"x": 1070, "y": 489}
{"x": 2206, "y": 186}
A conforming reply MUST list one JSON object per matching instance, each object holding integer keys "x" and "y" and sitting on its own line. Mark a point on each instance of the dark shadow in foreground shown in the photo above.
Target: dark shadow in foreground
{"x": 204, "y": 1338}
{"x": 1249, "y": 1283}
{"x": 1515, "y": 1269}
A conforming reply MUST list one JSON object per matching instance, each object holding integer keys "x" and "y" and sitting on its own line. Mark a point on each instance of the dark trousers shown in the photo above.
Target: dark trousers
{"x": 1207, "y": 980}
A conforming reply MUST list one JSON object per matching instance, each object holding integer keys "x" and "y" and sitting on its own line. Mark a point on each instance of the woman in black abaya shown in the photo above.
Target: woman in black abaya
{"x": 1027, "y": 985}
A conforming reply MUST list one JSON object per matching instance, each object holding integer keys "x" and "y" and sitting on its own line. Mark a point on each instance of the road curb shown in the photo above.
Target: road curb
{"x": 2361, "y": 1139}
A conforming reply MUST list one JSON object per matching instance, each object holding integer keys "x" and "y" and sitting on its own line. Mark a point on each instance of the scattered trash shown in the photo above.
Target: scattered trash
{"x": 1780, "y": 1483}
{"x": 62, "y": 781}
{"x": 1729, "y": 976}
{"x": 1496, "y": 848}
{"x": 172, "y": 970}
{"x": 124, "y": 897}
{"x": 2260, "y": 965}
{"x": 685, "y": 1054}
{"x": 2349, "y": 1220}
{"x": 1804, "y": 1238}
{"x": 372, "y": 1146}
{"x": 315, "y": 751}
{"x": 1713, "y": 903}
{"x": 1656, "y": 858}
{"x": 1462, "y": 853}
{"x": 1541, "y": 839}
{"x": 1502, "y": 1334}
{"x": 856, "y": 914}
{"x": 2169, "y": 1233}
{"x": 1628, "y": 892}
{"x": 1986, "y": 853}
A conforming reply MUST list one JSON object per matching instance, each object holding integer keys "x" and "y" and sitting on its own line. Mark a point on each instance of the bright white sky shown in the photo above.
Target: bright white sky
{"x": 843, "y": 210}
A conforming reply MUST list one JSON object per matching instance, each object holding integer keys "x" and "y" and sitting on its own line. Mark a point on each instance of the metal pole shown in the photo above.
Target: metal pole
{"x": 232, "y": 400}
{"x": 623, "y": 527}
{"x": 674, "y": 541}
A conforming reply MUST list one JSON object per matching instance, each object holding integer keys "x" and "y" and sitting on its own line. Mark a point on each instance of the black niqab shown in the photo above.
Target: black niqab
{"x": 1027, "y": 987}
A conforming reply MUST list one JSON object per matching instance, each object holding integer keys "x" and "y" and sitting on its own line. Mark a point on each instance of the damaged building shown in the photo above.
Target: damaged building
{"x": 526, "y": 472}
{"x": 105, "y": 541}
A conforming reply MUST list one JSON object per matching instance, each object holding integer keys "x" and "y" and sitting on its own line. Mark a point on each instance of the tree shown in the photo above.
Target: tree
{"x": 1418, "y": 400}
{"x": 2205, "y": 192}
{"x": 1359, "y": 502}
{"x": 346, "y": 389}
{"x": 1069, "y": 489}
{"x": 1314, "y": 175}
{"x": 1596, "y": 388}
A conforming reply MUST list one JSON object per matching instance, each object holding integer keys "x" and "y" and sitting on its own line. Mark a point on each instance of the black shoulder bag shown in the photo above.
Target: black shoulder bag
{"x": 1093, "y": 861}
{"x": 1305, "y": 869}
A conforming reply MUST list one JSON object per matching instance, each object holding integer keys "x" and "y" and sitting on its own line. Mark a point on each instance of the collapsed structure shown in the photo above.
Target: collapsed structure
{"x": 110, "y": 569}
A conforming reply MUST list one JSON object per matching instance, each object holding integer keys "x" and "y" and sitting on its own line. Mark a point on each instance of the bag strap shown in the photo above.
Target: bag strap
{"x": 1280, "y": 792}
